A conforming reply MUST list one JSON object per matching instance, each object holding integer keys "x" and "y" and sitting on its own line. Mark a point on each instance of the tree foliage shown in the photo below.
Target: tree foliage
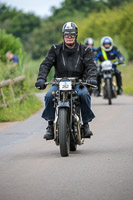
{"x": 69, "y": 7}
{"x": 95, "y": 18}
{"x": 44, "y": 37}
{"x": 116, "y": 22}
{"x": 18, "y": 23}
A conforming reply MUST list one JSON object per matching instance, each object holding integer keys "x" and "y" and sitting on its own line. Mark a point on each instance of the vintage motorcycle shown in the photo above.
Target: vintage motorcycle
{"x": 108, "y": 84}
{"x": 68, "y": 130}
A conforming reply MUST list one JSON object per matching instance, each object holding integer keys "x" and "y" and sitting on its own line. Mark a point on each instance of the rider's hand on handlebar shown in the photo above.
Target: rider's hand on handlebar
{"x": 40, "y": 84}
{"x": 92, "y": 82}
{"x": 120, "y": 62}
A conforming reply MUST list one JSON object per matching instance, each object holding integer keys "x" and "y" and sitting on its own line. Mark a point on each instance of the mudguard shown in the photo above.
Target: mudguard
{"x": 64, "y": 105}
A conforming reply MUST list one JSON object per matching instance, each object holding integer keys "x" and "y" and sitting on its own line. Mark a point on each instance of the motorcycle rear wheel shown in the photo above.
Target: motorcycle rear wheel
{"x": 64, "y": 135}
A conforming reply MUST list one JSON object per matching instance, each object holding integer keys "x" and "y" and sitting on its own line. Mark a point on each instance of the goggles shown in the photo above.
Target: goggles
{"x": 69, "y": 34}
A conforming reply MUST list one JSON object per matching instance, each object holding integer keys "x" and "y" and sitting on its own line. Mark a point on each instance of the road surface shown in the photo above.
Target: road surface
{"x": 101, "y": 169}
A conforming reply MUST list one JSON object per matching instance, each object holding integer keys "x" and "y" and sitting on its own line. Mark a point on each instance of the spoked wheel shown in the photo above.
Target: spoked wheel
{"x": 109, "y": 94}
{"x": 64, "y": 135}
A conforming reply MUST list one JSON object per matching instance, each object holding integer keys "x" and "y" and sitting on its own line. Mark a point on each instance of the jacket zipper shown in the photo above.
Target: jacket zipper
{"x": 63, "y": 59}
{"x": 77, "y": 62}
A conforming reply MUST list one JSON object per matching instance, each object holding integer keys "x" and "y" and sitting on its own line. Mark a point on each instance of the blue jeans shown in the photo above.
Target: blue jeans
{"x": 85, "y": 104}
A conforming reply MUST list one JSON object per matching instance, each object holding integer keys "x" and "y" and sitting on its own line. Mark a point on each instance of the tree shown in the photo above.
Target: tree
{"x": 22, "y": 24}
{"x": 18, "y": 23}
{"x": 43, "y": 38}
{"x": 116, "y": 3}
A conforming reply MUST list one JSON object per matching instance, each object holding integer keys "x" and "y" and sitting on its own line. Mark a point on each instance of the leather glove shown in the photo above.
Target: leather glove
{"x": 92, "y": 82}
{"x": 120, "y": 62}
{"x": 40, "y": 84}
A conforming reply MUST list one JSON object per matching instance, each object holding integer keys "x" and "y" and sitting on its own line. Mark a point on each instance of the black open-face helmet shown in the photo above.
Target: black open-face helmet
{"x": 70, "y": 28}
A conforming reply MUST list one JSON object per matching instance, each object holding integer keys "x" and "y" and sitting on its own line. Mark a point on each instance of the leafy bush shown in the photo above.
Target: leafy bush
{"x": 7, "y": 71}
{"x": 8, "y": 43}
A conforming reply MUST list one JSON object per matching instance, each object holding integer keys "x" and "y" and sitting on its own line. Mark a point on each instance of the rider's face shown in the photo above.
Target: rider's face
{"x": 69, "y": 38}
{"x": 90, "y": 45}
{"x": 107, "y": 45}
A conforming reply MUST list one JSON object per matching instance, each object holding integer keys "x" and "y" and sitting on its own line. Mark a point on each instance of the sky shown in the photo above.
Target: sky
{"x": 39, "y": 7}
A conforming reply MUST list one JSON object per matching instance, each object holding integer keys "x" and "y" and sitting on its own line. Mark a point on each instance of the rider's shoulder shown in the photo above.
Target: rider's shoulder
{"x": 56, "y": 46}
{"x": 115, "y": 48}
{"x": 84, "y": 47}
{"x": 99, "y": 49}
{"x": 94, "y": 49}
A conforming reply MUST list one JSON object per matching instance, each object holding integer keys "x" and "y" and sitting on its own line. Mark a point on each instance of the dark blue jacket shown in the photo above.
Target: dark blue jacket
{"x": 111, "y": 55}
{"x": 15, "y": 59}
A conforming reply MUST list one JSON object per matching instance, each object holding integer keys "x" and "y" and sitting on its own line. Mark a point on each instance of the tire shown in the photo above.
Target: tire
{"x": 108, "y": 88}
{"x": 64, "y": 135}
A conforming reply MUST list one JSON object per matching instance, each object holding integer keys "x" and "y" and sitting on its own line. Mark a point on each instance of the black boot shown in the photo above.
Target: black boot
{"x": 119, "y": 91}
{"x": 97, "y": 93}
{"x": 87, "y": 132}
{"x": 49, "y": 133}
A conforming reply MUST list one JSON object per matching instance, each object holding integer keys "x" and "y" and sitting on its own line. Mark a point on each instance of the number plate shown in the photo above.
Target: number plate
{"x": 65, "y": 85}
{"x": 107, "y": 75}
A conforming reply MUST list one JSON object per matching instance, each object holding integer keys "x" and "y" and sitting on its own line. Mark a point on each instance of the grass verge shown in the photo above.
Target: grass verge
{"x": 127, "y": 78}
{"x": 20, "y": 111}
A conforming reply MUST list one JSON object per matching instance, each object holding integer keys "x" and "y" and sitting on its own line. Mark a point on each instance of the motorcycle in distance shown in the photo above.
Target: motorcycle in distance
{"x": 68, "y": 130}
{"x": 108, "y": 84}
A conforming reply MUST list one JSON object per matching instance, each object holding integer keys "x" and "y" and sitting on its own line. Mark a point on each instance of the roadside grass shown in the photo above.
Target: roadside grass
{"x": 30, "y": 70}
{"x": 127, "y": 78}
{"x": 20, "y": 110}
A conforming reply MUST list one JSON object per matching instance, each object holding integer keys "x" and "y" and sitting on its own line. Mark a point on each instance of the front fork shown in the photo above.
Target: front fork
{"x": 74, "y": 120}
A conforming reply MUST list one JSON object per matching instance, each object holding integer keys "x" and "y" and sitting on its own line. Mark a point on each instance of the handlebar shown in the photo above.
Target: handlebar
{"x": 75, "y": 83}
{"x": 113, "y": 63}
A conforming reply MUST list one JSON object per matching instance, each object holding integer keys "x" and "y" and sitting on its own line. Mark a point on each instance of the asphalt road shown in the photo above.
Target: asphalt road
{"x": 101, "y": 169}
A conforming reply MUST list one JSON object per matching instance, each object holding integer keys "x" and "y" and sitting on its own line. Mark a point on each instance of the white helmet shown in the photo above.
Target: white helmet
{"x": 89, "y": 41}
{"x": 107, "y": 40}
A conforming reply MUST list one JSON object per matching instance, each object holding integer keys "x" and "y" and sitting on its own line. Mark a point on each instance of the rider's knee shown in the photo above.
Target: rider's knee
{"x": 49, "y": 96}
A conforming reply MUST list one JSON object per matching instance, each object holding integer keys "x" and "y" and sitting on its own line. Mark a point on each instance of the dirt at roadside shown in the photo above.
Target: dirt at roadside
{"x": 4, "y": 125}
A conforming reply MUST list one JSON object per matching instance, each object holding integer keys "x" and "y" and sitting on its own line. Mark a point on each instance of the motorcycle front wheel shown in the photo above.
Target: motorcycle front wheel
{"x": 108, "y": 88}
{"x": 64, "y": 135}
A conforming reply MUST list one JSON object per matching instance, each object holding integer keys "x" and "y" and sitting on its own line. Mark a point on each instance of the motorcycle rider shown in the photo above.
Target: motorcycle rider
{"x": 109, "y": 52}
{"x": 90, "y": 43}
{"x": 70, "y": 59}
